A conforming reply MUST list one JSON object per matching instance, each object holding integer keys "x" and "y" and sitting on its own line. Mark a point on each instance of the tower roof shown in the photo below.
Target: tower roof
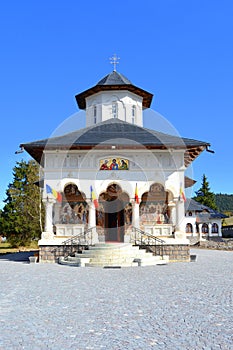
{"x": 114, "y": 78}
{"x": 114, "y": 81}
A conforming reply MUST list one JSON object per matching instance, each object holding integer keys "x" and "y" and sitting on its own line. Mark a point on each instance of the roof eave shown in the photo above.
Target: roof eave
{"x": 81, "y": 98}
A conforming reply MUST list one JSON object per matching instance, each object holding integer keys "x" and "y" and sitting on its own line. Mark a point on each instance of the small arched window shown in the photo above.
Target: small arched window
{"x": 114, "y": 110}
{"x": 133, "y": 114}
{"x": 189, "y": 228}
{"x": 205, "y": 228}
{"x": 214, "y": 228}
{"x": 95, "y": 114}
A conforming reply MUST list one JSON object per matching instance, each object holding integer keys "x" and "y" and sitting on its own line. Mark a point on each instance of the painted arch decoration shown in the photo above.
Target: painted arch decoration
{"x": 74, "y": 208}
{"x": 114, "y": 164}
{"x": 154, "y": 205}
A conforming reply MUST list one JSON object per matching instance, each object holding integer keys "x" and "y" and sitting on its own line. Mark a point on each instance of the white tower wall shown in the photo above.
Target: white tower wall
{"x": 123, "y": 105}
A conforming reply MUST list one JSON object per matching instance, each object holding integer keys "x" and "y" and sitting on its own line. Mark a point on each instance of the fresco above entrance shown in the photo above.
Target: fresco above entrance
{"x": 114, "y": 164}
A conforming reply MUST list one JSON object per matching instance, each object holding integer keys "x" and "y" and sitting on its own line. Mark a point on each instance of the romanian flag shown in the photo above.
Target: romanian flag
{"x": 93, "y": 198}
{"x": 182, "y": 195}
{"x": 56, "y": 194}
{"x": 136, "y": 194}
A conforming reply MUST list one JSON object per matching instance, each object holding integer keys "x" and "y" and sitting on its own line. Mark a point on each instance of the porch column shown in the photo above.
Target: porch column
{"x": 200, "y": 232}
{"x": 92, "y": 221}
{"x": 194, "y": 229}
{"x": 172, "y": 207}
{"x": 49, "y": 202}
{"x": 210, "y": 229}
{"x": 179, "y": 231}
{"x": 135, "y": 215}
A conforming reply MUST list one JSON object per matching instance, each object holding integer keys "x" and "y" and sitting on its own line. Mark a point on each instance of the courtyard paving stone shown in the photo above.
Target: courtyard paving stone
{"x": 176, "y": 306}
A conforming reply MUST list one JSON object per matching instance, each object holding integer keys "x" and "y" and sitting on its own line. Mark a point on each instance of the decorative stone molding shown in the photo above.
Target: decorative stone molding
{"x": 47, "y": 235}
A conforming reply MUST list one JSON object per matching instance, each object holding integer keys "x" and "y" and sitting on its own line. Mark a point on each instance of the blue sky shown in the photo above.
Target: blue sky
{"x": 181, "y": 51}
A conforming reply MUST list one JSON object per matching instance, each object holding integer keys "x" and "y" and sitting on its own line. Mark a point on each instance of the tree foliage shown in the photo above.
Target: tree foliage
{"x": 205, "y": 196}
{"x": 21, "y": 219}
{"x": 224, "y": 202}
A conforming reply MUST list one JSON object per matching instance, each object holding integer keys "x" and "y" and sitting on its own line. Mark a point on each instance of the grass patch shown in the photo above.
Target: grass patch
{"x": 228, "y": 221}
{"x": 6, "y": 248}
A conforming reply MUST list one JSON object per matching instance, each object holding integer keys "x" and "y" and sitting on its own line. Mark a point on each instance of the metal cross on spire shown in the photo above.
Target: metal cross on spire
{"x": 114, "y": 60}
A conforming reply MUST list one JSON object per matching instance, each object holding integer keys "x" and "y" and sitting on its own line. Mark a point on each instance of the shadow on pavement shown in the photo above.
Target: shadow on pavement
{"x": 17, "y": 257}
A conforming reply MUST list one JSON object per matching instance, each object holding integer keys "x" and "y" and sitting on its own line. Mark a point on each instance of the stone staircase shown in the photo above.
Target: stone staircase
{"x": 113, "y": 255}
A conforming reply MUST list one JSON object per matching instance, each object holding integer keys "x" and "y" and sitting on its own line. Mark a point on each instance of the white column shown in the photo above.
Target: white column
{"x": 135, "y": 215}
{"x": 49, "y": 202}
{"x": 194, "y": 229}
{"x": 179, "y": 231}
{"x": 210, "y": 230}
{"x": 200, "y": 232}
{"x": 219, "y": 228}
{"x": 172, "y": 207}
{"x": 92, "y": 221}
{"x": 92, "y": 215}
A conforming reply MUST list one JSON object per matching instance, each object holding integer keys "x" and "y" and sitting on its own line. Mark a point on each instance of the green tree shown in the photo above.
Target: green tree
{"x": 22, "y": 216}
{"x": 205, "y": 196}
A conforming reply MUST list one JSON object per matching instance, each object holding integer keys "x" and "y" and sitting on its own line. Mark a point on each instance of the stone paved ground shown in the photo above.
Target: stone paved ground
{"x": 177, "y": 306}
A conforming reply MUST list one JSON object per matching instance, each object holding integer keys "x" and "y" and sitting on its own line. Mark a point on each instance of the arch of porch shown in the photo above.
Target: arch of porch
{"x": 100, "y": 186}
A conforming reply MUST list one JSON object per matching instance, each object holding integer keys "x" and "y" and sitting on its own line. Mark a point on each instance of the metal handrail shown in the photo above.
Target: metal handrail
{"x": 143, "y": 233}
{"x": 78, "y": 240}
{"x": 150, "y": 237}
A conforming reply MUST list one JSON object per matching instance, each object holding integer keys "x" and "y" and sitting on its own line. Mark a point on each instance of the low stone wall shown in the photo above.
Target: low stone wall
{"x": 176, "y": 252}
{"x": 51, "y": 253}
{"x": 224, "y": 244}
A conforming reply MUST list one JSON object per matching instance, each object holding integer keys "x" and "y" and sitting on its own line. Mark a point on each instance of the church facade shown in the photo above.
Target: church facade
{"x": 114, "y": 177}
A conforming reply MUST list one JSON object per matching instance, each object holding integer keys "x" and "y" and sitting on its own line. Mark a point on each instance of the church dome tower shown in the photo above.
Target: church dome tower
{"x": 114, "y": 96}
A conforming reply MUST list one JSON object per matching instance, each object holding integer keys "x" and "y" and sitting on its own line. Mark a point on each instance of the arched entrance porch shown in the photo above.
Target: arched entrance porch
{"x": 74, "y": 209}
{"x": 156, "y": 211}
{"x": 154, "y": 205}
{"x": 114, "y": 213}
{"x": 71, "y": 215}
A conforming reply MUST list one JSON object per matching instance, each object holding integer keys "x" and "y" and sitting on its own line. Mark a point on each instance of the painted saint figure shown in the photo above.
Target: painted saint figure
{"x": 124, "y": 165}
{"x": 104, "y": 166}
{"x": 114, "y": 165}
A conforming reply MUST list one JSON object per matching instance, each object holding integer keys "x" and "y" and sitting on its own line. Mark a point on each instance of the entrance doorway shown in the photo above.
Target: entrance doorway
{"x": 114, "y": 221}
{"x": 112, "y": 213}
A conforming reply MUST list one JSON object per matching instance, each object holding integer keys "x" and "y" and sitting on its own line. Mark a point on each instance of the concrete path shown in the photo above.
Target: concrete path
{"x": 183, "y": 306}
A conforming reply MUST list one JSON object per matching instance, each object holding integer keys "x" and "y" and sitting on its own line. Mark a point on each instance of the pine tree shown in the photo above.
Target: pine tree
{"x": 205, "y": 196}
{"x": 20, "y": 219}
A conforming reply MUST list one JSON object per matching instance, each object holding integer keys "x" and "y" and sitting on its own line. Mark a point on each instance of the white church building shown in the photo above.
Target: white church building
{"x": 114, "y": 181}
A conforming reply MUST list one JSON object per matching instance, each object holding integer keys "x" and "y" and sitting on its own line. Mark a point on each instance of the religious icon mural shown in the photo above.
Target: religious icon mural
{"x": 114, "y": 164}
{"x": 154, "y": 205}
{"x": 74, "y": 209}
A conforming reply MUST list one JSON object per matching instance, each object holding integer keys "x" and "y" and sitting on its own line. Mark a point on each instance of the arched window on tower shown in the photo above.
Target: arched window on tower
{"x": 133, "y": 114}
{"x": 95, "y": 114}
{"x": 114, "y": 110}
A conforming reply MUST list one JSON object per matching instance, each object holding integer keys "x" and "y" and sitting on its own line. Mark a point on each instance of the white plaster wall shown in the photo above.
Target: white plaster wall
{"x": 145, "y": 168}
{"x": 103, "y": 102}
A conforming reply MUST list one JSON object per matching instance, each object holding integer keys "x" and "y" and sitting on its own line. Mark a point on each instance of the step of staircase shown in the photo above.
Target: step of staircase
{"x": 114, "y": 255}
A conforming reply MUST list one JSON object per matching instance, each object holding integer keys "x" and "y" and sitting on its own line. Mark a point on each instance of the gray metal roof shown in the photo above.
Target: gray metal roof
{"x": 114, "y": 78}
{"x": 119, "y": 133}
{"x": 192, "y": 205}
{"x": 124, "y": 133}
{"x": 112, "y": 82}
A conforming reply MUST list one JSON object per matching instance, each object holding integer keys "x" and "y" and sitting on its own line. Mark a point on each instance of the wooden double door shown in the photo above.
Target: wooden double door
{"x": 114, "y": 218}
